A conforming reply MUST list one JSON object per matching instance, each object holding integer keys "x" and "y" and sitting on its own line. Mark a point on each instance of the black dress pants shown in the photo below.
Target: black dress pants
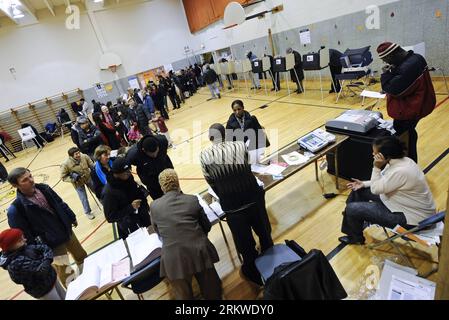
{"x": 401, "y": 126}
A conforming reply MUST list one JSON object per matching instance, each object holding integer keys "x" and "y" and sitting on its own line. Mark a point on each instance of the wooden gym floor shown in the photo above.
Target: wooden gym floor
{"x": 296, "y": 207}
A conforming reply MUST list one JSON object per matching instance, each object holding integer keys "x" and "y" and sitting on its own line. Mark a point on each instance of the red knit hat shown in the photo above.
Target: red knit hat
{"x": 9, "y": 238}
{"x": 386, "y": 48}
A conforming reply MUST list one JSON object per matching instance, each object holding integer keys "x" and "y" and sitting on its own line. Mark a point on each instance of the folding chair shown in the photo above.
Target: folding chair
{"x": 423, "y": 225}
{"x": 274, "y": 257}
{"x": 355, "y": 64}
{"x": 144, "y": 279}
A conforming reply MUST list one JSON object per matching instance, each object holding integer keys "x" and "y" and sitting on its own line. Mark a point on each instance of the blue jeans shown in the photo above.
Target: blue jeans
{"x": 82, "y": 194}
{"x": 213, "y": 89}
{"x": 363, "y": 206}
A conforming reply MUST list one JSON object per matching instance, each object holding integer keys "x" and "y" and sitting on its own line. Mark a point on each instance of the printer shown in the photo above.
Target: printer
{"x": 359, "y": 121}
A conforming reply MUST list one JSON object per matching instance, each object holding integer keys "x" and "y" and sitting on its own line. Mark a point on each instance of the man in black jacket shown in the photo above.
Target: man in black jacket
{"x": 88, "y": 136}
{"x": 124, "y": 201}
{"x": 210, "y": 77}
{"x": 150, "y": 157}
{"x": 43, "y": 216}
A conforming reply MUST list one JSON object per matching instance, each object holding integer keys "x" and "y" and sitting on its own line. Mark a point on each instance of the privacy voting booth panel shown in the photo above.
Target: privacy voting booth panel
{"x": 266, "y": 64}
{"x": 283, "y": 64}
{"x": 238, "y": 66}
{"x": 227, "y": 67}
{"x": 246, "y": 65}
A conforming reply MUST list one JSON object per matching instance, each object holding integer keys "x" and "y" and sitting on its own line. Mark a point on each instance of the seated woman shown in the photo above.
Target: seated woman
{"x": 102, "y": 169}
{"x": 182, "y": 224}
{"x": 245, "y": 127}
{"x": 397, "y": 194}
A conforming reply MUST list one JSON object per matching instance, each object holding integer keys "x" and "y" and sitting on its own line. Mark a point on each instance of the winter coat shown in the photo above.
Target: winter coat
{"x": 90, "y": 140}
{"x": 210, "y": 76}
{"x": 143, "y": 117}
{"x": 111, "y": 135}
{"x": 409, "y": 88}
{"x": 148, "y": 169}
{"x": 82, "y": 167}
{"x": 186, "y": 250}
{"x": 31, "y": 267}
{"x": 117, "y": 198}
{"x": 251, "y": 125}
{"x": 54, "y": 229}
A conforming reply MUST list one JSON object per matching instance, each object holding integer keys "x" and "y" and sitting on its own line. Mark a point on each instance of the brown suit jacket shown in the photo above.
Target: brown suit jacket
{"x": 186, "y": 250}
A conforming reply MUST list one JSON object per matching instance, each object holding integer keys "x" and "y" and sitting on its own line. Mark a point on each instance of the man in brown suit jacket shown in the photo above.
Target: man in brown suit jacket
{"x": 182, "y": 224}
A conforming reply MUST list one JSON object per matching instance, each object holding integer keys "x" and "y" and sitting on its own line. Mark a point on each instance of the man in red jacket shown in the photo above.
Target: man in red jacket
{"x": 410, "y": 93}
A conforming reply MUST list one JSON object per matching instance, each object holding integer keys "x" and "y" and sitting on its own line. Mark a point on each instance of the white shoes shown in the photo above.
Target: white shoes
{"x": 90, "y": 216}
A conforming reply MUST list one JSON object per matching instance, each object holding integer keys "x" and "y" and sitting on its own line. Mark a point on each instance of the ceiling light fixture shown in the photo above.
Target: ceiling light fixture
{"x": 17, "y": 13}
{"x": 98, "y": 1}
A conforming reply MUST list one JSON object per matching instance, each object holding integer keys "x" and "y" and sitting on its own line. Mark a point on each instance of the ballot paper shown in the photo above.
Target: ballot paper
{"x": 274, "y": 169}
{"x": 373, "y": 94}
{"x": 212, "y": 193}
{"x": 294, "y": 158}
{"x": 258, "y": 168}
{"x": 208, "y": 210}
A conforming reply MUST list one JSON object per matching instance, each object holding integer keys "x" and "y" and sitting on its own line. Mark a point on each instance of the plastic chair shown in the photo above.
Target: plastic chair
{"x": 144, "y": 279}
{"x": 274, "y": 257}
{"x": 423, "y": 225}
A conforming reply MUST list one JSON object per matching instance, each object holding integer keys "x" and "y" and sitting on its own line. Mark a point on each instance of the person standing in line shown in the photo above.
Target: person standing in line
{"x": 76, "y": 170}
{"x": 211, "y": 77}
{"x": 150, "y": 157}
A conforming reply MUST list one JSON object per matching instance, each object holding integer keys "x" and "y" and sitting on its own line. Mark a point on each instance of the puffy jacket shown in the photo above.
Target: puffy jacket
{"x": 210, "y": 76}
{"x": 82, "y": 167}
{"x": 31, "y": 267}
{"x": 409, "y": 88}
{"x": 143, "y": 117}
{"x": 148, "y": 168}
{"x": 54, "y": 229}
{"x": 117, "y": 198}
{"x": 90, "y": 140}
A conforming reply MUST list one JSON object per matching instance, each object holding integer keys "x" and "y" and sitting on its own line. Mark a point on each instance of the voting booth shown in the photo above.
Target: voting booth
{"x": 284, "y": 65}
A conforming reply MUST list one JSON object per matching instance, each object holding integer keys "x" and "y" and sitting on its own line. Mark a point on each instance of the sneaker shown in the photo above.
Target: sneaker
{"x": 219, "y": 96}
{"x": 90, "y": 216}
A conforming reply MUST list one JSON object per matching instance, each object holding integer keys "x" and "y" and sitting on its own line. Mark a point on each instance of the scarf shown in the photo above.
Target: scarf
{"x": 100, "y": 174}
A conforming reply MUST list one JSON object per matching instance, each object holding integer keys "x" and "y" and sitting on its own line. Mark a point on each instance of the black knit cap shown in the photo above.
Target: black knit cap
{"x": 150, "y": 144}
{"x": 120, "y": 165}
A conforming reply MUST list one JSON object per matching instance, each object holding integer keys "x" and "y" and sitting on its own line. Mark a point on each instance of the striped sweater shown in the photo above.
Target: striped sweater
{"x": 226, "y": 169}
